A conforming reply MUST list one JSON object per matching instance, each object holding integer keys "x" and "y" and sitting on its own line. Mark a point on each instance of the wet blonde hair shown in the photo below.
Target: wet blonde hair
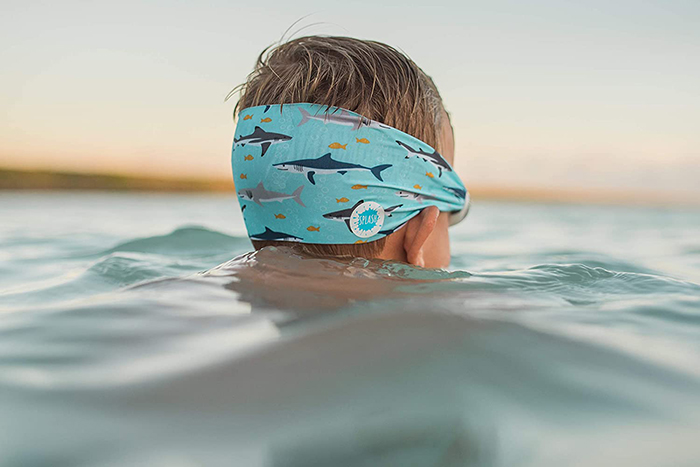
{"x": 367, "y": 77}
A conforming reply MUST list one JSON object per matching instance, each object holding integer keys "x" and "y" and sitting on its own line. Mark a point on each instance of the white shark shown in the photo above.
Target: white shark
{"x": 433, "y": 157}
{"x": 271, "y": 235}
{"x": 327, "y": 165}
{"x": 391, "y": 231}
{"x": 458, "y": 192}
{"x": 261, "y": 138}
{"x": 415, "y": 196}
{"x": 260, "y": 195}
{"x": 340, "y": 118}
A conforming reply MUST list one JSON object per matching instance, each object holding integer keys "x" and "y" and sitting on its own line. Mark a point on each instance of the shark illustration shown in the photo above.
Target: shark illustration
{"x": 327, "y": 165}
{"x": 415, "y": 196}
{"x": 261, "y": 138}
{"x": 260, "y": 195}
{"x": 276, "y": 236}
{"x": 388, "y": 211}
{"x": 433, "y": 157}
{"x": 391, "y": 231}
{"x": 341, "y": 118}
{"x": 344, "y": 214}
{"x": 458, "y": 192}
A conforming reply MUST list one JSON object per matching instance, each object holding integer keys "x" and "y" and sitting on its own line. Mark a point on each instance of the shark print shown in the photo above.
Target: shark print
{"x": 390, "y": 231}
{"x": 341, "y": 118}
{"x": 458, "y": 192}
{"x": 327, "y": 165}
{"x": 415, "y": 196}
{"x": 261, "y": 138}
{"x": 271, "y": 235}
{"x": 343, "y": 215}
{"x": 388, "y": 211}
{"x": 433, "y": 157}
{"x": 260, "y": 195}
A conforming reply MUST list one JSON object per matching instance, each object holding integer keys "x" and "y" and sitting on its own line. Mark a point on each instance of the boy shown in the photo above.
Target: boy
{"x": 343, "y": 148}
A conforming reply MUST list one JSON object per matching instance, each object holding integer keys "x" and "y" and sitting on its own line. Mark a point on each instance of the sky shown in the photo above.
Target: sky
{"x": 543, "y": 94}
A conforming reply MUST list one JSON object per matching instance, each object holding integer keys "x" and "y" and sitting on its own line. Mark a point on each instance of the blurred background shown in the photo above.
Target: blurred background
{"x": 594, "y": 101}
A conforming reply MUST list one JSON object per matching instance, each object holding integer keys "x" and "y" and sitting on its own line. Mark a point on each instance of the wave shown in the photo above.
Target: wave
{"x": 181, "y": 252}
{"x": 185, "y": 241}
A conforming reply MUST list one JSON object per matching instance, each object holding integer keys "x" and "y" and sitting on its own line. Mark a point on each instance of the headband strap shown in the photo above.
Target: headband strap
{"x": 316, "y": 174}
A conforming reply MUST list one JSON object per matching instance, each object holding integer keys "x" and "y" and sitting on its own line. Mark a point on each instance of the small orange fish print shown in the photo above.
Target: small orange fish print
{"x": 429, "y": 174}
{"x": 265, "y": 120}
{"x": 362, "y": 140}
{"x": 360, "y": 241}
{"x": 417, "y": 187}
{"x": 280, "y": 216}
{"x": 342, "y": 200}
{"x": 338, "y": 146}
{"x": 247, "y": 117}
{"x": 311, "y": 228}
{"x": 358, "y": 187}
{"x": 249, "y": 157}
{"x": 244, "y": 177}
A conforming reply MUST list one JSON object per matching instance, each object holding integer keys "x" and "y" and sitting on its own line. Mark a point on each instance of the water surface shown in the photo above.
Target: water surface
{"x": 138, "y": 330}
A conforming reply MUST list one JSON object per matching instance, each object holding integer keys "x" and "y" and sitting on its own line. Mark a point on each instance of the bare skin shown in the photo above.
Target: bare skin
{"x": 425, "y": 241}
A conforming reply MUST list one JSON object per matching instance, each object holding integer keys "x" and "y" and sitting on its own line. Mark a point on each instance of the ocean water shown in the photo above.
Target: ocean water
{"x": 139, "y": 330}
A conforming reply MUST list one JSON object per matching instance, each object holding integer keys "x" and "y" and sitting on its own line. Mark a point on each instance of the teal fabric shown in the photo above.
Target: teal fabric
{"x": 313, "y": 174}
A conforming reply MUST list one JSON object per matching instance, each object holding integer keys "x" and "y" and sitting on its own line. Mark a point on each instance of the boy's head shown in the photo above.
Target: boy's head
{"x": 377, "y": 82}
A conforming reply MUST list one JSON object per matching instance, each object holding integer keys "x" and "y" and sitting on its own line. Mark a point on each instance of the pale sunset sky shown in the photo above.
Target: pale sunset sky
{"x": 543, "y": 94}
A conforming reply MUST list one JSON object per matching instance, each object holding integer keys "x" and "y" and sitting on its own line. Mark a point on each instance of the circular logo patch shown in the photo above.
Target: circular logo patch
{"x": 367, "y": 219}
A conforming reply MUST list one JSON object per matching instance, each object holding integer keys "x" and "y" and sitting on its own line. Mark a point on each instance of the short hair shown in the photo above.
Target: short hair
{"x": 364, "y": 76}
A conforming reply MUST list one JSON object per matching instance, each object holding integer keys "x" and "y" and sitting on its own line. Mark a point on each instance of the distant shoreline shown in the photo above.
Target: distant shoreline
{"x": 47, "y": 180}
{"x": 13, "y": 179}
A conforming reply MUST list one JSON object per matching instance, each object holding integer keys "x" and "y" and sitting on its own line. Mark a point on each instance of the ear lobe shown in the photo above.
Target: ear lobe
{"x": 418, "y": 230}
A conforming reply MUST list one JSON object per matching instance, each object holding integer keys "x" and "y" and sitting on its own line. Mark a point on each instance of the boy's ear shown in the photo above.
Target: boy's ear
{"x": 418, "y": 230}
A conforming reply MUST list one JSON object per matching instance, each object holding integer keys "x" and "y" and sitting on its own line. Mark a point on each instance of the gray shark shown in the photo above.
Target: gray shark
{"x": 261, "y": 138}
{"x": 340, "y": 118}
{"x": 415, "y": 196}
{"x": 327, "y": 165}
{"x": 433, "y": 157}
{"x": 260, "y": 195}
{"x": 344, "y": 214}
{"x": 458, "y": 192}
{"x": 269, "y": 234}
